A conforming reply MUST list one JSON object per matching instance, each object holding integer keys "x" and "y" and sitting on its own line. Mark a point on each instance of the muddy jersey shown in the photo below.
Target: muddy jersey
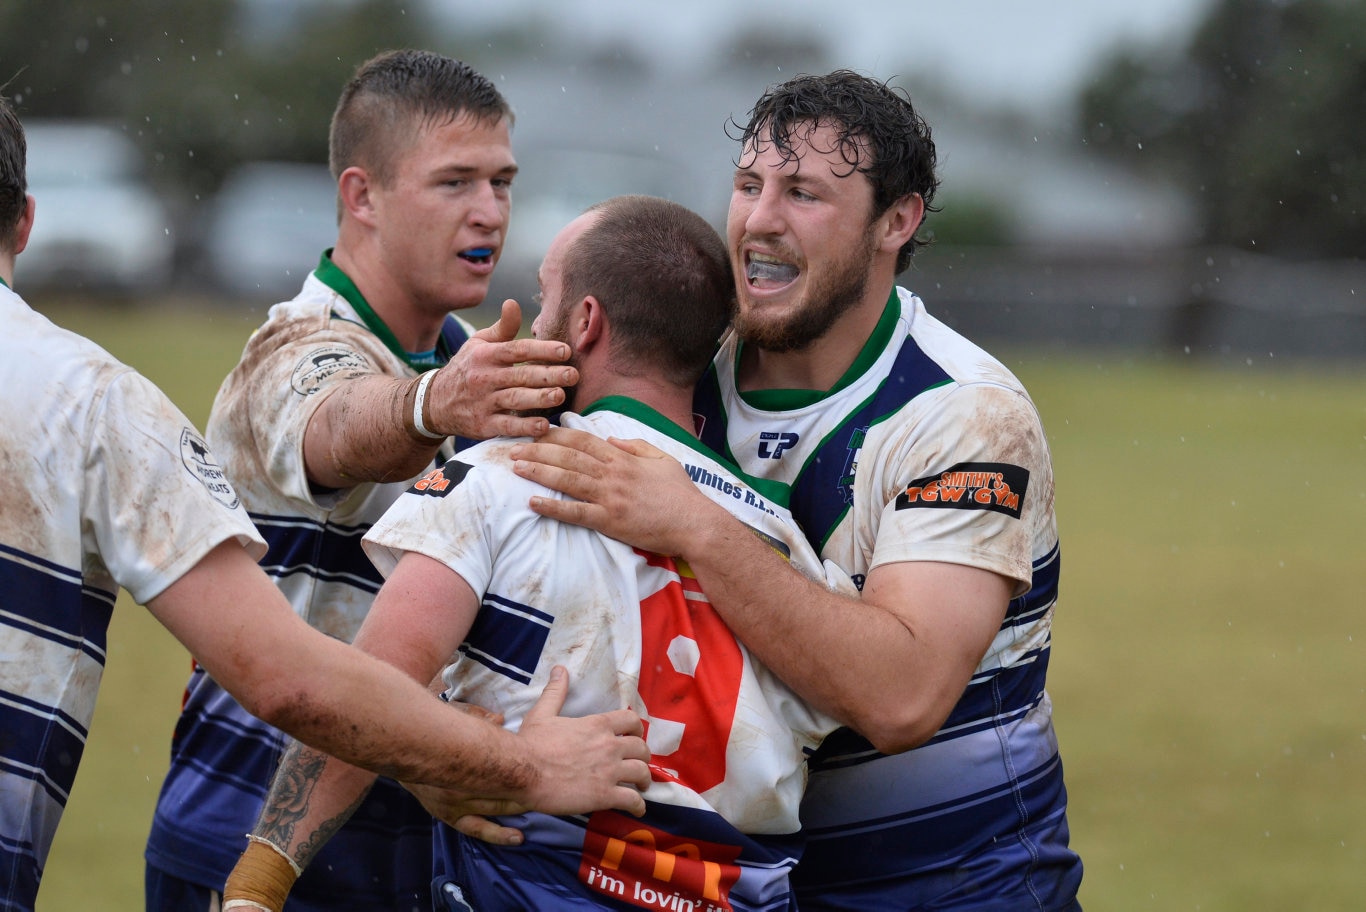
{"x": 729, "y": 741}
{"x": 928, "y": 449}
{"x": 223, "y": 758}
{"x": 105, "y": 484}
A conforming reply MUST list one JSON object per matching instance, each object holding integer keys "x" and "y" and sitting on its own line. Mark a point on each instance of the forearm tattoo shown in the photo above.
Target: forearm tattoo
{"x": 289, "y": 801}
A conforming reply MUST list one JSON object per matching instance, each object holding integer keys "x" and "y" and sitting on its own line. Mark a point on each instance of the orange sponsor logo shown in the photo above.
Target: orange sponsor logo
{"x": 993, "y": 486}
{"x": 434, "y": 481}
{"x": 439, "y": 482}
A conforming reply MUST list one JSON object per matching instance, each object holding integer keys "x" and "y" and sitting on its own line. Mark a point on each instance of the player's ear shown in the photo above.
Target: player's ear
{"x": 898, "y": 224}
{"x": 25, "y": 224}
{"x": 353, "y": 190}
{"x": 590, "y": 323}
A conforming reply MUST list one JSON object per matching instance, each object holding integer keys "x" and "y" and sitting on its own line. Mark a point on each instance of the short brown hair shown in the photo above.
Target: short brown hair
{"x": 662, "y": 276}
{"x": 397, "y": 93}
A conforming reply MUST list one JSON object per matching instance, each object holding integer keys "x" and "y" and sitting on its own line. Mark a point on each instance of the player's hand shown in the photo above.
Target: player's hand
{"x": 494, "y": 377}
{"x": 469, "y": 814}
{"x": 584, "y": 764}
{"x": 625, "y": 489}
{"x": 459, "y": 809}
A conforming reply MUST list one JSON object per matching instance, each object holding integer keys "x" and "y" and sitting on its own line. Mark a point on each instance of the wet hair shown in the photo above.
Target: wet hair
{"x": 396, "y": 94}
{"x": 13, "y": 175}
{"x": 878, "y": 133}
{"x": 662, "y": 276}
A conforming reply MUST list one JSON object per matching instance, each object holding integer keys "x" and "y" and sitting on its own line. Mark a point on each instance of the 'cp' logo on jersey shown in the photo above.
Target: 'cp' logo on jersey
{"x": 781, "y": 440}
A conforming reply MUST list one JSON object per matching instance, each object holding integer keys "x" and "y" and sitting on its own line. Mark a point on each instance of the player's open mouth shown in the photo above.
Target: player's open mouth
{"x": 764, "y": 271}
{"x": 481, "y": 255}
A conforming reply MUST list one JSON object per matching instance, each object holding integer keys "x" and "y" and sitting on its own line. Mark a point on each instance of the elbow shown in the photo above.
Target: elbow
{"x": 895, "y": 730}
{"x": 271, "y": 705}
{"x": 279, "y": 700}
{"x": 892, "y": 739}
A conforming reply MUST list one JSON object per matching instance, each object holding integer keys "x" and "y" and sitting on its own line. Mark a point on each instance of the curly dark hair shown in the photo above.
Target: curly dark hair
{"x": 878, "y": 131}
{"x": 13, "y": 170}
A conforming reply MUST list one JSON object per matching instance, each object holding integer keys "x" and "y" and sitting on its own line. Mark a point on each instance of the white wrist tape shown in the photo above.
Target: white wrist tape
{"x": 419, "y": 401}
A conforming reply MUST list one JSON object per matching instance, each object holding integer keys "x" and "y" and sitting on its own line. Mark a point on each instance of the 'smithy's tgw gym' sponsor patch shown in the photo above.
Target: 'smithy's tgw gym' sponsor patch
{"x": 994, "y": 486}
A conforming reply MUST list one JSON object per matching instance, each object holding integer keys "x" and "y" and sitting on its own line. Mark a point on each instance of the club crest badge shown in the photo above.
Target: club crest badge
{"x": 321, "y": 365}
{"x": 199, "y": 462}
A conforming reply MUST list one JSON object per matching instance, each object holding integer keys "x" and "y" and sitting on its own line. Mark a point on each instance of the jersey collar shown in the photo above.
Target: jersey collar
{"x": 785, "y": 400}
{"x": 774, "y": 491}
{"x": 331, "y": 275}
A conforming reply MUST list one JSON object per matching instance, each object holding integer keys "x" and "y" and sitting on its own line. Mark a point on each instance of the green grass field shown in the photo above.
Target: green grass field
{"x": 1209, "y": 675}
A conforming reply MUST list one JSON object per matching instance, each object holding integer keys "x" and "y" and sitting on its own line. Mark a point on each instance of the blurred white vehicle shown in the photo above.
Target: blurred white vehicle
{"x": 267, "y": 227}
{"x": 99, "y": 226}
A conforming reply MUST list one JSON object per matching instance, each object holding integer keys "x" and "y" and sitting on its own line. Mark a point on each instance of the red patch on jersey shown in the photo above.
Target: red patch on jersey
{"x": 644, "y": 866}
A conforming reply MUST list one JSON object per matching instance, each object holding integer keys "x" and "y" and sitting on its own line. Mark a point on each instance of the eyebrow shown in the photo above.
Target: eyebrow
{"x": 798, "y": 177}
{"x": 474, "y": 169}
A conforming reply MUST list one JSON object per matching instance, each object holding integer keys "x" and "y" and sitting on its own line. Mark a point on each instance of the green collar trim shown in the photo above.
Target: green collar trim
{"x": 775, "y": 491}
{"x": 3, "y": 282}
{"x": 786, "y": 400}
{"x": 331, "y": 275}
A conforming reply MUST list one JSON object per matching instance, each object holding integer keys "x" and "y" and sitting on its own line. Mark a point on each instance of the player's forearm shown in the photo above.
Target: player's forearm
{"x": 325, "y": 693}
{"x": 846, "y": 657}
{"x": 364, "y": 432}
{"x": 311, "y": 797}
{"x": 375, "y": 716}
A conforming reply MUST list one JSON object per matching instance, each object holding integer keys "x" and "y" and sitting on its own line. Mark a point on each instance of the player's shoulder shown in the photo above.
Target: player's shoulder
{"x": 51, "y": 366}
{"x": 486, "y": 465}
{"x": 315, "y": 337}
{"x": 965, "y": 361}
{"x": 312, "y": 310}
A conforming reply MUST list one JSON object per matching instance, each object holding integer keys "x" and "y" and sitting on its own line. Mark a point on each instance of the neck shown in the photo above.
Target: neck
{"x": 7, "y": 268}
{"x": 415, "y": 327}
{"x": 820, "y": 364}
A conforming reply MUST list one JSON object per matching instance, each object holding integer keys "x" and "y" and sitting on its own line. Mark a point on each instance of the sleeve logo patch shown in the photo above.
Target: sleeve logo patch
{"x": 993, "y": 486}
{"x": 439, "y": 482}
{"x": 199, "y": 462}
{"x": 322, "y": 364}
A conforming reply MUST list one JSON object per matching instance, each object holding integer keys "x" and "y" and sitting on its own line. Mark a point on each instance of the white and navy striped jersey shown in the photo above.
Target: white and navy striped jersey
{"x": 729, "y": 741}
{"x": 106, "y": 484}
{"x": 222, "y": 758}
{"x": 927, "y": 449}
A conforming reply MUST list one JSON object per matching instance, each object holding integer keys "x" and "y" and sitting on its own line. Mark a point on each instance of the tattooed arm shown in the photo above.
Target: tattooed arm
{"x": 291, "y": 820}
{"x": 314, "y": 794}
{"x": 419, "y": 617}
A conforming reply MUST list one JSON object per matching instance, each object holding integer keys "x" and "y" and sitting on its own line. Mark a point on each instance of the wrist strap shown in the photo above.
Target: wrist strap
{"x": 262, "y": 877}
{"x": 422, "y": 383}
{"x": 419, "y": 402}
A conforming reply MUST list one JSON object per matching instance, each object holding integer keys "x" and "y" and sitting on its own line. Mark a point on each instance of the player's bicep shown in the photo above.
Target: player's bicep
{"x": 420, "y": 616}
{"x": 955, "y": 610}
